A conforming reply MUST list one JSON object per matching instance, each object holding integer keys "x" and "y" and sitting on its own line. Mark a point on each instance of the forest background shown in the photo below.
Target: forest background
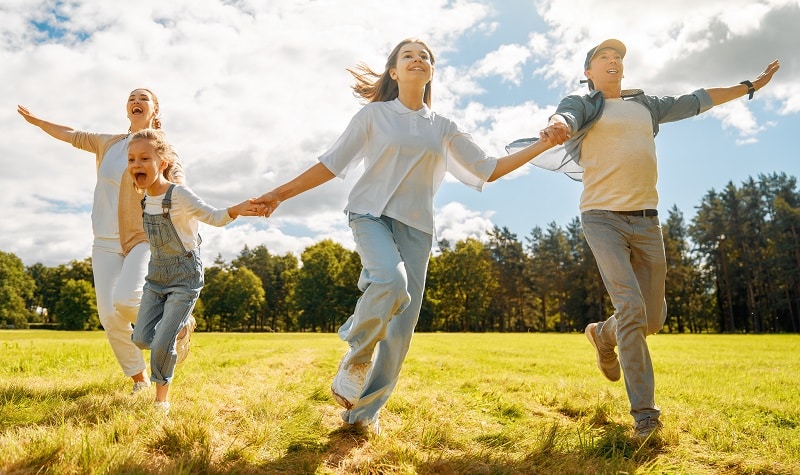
{"x": 735, "y": 268}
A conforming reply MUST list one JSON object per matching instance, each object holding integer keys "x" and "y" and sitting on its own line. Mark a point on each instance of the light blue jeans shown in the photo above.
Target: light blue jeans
{"x": 629, "y": 251}
{"x": 394, "y": 259}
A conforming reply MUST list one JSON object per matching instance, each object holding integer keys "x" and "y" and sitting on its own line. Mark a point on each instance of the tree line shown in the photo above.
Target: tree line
{"x": 734, "y": 268}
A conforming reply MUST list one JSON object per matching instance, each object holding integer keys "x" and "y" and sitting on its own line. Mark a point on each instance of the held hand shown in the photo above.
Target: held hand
{"x": 766, "y": 76}
{"x": 269, "y": 202}
{"x": 26, "y": 114}
{"x": 246, "y": 208}
{"x": 557, "y": 133}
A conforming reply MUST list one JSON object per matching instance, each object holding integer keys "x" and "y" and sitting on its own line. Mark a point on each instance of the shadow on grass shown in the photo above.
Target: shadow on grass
{"x": 612, "y": 451}
{"x": 300, "y": 457}
{"x": 191, "y": 447}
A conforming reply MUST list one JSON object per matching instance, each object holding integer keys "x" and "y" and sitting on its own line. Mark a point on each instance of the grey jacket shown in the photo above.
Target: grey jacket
{"x": 582, "y": 112}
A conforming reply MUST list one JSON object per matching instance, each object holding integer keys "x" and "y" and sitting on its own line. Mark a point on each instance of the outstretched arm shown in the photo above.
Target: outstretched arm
{"x": 61, "y": 132}
{"x": 311, "y": 178}
{"x": 511, "y": 162}
{"x": 721, "y": 95}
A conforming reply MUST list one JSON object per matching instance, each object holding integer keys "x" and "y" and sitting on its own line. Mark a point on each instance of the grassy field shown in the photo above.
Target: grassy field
{"x": 466, "y": 403}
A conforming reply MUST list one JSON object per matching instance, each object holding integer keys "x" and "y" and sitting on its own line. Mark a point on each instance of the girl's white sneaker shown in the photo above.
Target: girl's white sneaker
{"x": 161, "y": 406}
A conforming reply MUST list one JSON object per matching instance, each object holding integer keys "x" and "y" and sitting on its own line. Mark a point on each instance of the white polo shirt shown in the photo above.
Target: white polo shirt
{"x": 406, "y": 154}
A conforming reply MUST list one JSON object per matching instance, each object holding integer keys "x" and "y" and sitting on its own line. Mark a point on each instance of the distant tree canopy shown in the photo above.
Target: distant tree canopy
{"x": 76, "y": 306}
{"x": 16, "y": 289}
{"x": 734, "y": 268}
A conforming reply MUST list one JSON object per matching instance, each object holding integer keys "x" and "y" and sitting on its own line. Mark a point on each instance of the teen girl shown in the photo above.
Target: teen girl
{"x": 406, "y": 149}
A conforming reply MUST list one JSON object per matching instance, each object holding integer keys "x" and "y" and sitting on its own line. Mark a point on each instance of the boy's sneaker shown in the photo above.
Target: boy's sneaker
{"x": 140, "y": 386}
{"x": 182, "y": 343}
{"x": 646, "y": 427}
{"x": 161, "y": 407}
{"x": 348, "y": 382}
{"x": 607, "y": 359}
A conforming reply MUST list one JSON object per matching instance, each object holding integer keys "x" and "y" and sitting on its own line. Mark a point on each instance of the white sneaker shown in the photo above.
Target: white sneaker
{"x": 371, "y": 427}
{"x": 161, "y": 407}
{"x": 367, "y": 426}
{"x": 140, "y": 386}
{"x": 348, "y": 382}
{"x": 182, "y": 343}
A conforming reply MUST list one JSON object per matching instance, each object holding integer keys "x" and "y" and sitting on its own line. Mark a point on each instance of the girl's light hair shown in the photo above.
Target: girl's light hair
{"x": 380, "y": 87}
{"x": 163, "y": 149}
{"x": 156, "y": 119}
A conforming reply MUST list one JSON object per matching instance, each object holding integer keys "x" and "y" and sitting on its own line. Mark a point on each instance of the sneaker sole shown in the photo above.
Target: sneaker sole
{"x": 338, "y": 397}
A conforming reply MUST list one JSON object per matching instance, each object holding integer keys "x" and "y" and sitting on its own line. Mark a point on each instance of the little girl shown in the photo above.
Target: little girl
{"x": 175, "y": 273}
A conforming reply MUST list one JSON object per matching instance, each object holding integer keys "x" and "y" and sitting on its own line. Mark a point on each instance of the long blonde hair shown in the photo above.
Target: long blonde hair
{"x": 380, "y": 87}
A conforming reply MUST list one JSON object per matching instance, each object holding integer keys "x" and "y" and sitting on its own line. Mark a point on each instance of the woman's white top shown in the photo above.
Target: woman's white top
{"x": 187, "y": 209}
{"x": 105, "y": 212}
{"x": 406, "y": 154}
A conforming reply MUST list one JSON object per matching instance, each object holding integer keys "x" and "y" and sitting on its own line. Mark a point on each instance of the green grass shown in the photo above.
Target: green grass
{"x": 466, "y": 403}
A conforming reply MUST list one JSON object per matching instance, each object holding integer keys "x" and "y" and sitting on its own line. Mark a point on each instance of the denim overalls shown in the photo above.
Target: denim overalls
{"x": 173, "y": 284}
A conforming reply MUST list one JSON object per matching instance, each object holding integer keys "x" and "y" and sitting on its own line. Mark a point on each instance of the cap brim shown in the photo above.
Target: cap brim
{"x": 612, "y": 43}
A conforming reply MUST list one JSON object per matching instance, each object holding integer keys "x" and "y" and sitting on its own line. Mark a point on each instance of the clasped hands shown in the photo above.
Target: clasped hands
{"x": 556, "y": 132}
{"x": 264, "y": 205}
{"x": 268, "y": 203}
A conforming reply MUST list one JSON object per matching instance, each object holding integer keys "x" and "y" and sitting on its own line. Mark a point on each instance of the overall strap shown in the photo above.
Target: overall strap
{"x": 166, "y": 203}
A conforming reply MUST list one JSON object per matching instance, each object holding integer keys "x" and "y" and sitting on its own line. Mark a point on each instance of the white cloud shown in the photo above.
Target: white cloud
{"x": 252, "y": 92}
{"x": 678, "y": 46}
{"x": 506, "y": 62}
{"x": 454, "y": 222}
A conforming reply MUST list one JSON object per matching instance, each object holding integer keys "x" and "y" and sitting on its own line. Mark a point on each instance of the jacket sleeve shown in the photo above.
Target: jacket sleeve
{"x": 574, "y": 110}
{"x": 673, "y": 108}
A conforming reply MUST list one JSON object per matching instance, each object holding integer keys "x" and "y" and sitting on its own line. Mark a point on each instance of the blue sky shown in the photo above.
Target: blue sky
{"x": 252, "y": 92}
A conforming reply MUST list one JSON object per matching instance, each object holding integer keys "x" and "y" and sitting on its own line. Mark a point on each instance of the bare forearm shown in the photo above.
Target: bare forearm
{"x": 311, "y": 178}
{"x": 61, "y": 132}
{"x": 721, "y": 95}
{"x": 509, "y": 163}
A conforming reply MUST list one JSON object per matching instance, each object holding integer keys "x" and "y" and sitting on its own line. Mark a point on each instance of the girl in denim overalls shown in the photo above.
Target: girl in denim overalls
{"x": 175, "y": 274}
{"x": 406, "y": 149}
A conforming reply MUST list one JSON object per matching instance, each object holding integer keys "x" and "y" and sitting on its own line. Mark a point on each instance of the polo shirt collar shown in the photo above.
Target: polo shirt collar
{"x": 398, "y": 107}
